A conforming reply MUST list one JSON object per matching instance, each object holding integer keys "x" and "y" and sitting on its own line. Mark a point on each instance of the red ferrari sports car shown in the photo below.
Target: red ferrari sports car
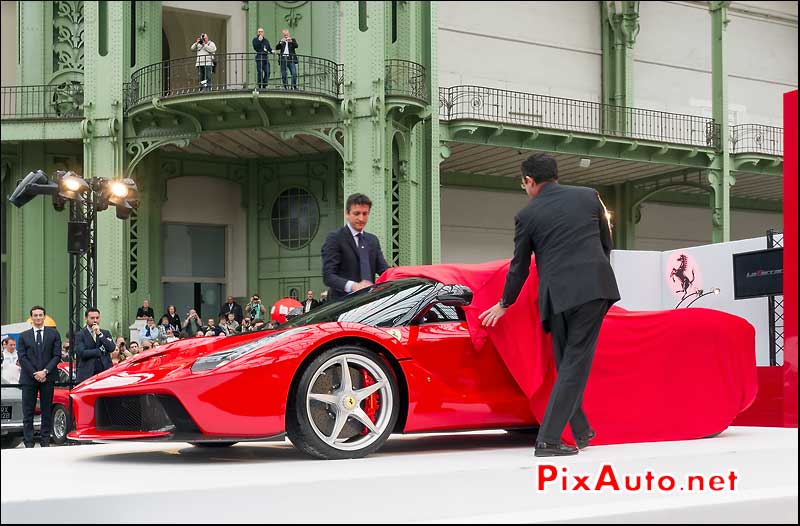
{"x": 338, "y": 380}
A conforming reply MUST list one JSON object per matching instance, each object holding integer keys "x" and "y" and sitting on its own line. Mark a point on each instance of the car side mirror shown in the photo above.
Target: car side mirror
{"x": 454, "y": 295}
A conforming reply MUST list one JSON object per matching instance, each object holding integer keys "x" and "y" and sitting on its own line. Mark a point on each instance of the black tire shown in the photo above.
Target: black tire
{"x": 213, "y": 445}
{"x": 61, "y": 425}
{"x": 10, "y": 441}
{"x": 306, "y": 436}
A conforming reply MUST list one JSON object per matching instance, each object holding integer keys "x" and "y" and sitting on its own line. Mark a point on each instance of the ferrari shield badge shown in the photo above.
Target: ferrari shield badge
{"x": 394, "y": 333}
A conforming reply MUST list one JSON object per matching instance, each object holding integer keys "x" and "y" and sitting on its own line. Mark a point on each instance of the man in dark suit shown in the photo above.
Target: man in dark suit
{"x": 231, "y": 306}
{"x": 93, "y": 347}
{"x": 287, "y": 57}
{"x": 351, "y": 257}
{"x": 39, "y": 353}
{"x": 310, "y": 302}
{"x": 569, "y": 231}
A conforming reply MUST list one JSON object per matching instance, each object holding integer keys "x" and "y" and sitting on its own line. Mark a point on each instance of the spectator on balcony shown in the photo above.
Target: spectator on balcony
{"x": 287, "y": 58}
{"x": 205, "y": 49}
{"x": 263, "y": 50}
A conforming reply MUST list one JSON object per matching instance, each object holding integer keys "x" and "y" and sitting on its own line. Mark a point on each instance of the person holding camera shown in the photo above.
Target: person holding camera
{"x": 173, "y": 318}
{"x": 287, "y": 57}
{"x": 122, "y": 352}
{"x": 93, "y": 347}
{"x": 255, "y": 309}
{"x": 192, "y": 323}
{"x": 231, "y": 307}
{"x": 205, "y": 49}
{"x": 263, "y": 51}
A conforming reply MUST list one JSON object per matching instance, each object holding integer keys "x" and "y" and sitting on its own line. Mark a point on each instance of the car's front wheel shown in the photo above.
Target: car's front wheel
{"x": 60, "y": 424}
{"x": 345, "y": 406}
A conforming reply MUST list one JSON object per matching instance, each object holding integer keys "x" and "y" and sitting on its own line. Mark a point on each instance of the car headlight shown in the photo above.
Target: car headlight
{"x": 218, "y": 359}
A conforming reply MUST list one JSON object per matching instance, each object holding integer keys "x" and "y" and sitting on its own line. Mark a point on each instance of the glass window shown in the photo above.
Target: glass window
{"x": 295, "y": 218}
{"x": 440, "y": 313}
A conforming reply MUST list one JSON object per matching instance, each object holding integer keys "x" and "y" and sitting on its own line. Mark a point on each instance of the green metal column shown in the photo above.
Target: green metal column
{"x": 252, "y": 226}
{"x": 433, "y": 147}
{"x": 105, "y": 73}
{"x": 624, "y": 216}
{"x": 618, "y": 37}
{"x": 365, "y": 158}
{"x": 720, "y": 175}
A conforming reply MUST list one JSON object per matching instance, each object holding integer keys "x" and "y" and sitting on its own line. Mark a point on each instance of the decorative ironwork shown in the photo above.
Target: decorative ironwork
{"x": 134, "y": 250}
{"x": 67, "y": 37}
{"x": 542, "y": 111}
{"x": 757, "y": 138}
{"x": 233, "y": 72}
{"x": 775, "y": 306}
{"x": 406, "y": 78}
{"x": 64, "y": 101}
{"x": 395, "y": 218}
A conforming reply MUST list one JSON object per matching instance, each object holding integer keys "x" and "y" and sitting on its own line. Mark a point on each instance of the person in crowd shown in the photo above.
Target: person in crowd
{"x": 231, "y": 306}
{"x": 263, "y": 50}
{"x": 121, "y": 348}
{"x": 287, "y": 57}
{"x": 310, "y": 302}
{"x": 65, "y": 357}
{"x": 192, "y": 323}
{"x": 134, "y": 348}
{"x": 233, "y": 325}
{"x": 222, "y": 323}
{"x": 173, "y": 318}
{"x": 212, "y": 329}
{"x": 350, "y": 256}
{"x": 169, "y": 336}
{"x": 93, "y": 347}
{"x": 163, "y": 326}
{"x": 11, "y": 365}
{"x": 145, "y": 311}
{"x": 205, "y": 49}
{"x": 255, "y": 309}
{"x": 247, "y": 325}
{"x": 182, "y": 335}
{"x": 199, "y": 334}
{"x": 567, "y": 228}
{"x": 147, "y": 345}
{"x": 323, "y": 297}
{"x": 39, "y": 353}
{"x": 151, "y": 331}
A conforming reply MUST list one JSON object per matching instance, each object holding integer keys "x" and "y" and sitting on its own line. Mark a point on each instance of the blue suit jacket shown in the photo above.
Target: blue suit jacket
{"x": 31, "y": 360}
{"x": 88, "y": 352}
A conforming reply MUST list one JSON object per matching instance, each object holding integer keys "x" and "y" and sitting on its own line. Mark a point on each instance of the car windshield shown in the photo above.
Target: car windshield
{"x": 381, "y": 305}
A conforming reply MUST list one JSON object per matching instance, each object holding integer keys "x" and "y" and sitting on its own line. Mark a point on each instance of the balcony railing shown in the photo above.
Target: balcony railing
{"x": 233, "y": 72}
{"x": 406, "y": 78}
{"x": 757, "y": 138}
{"x": 541, "y": 111}
{"x": 62, "y": 101}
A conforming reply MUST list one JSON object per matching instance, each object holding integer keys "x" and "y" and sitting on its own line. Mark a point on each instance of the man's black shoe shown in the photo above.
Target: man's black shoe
{"x": 554, "y": 449}
{"x": 583, "y": 441}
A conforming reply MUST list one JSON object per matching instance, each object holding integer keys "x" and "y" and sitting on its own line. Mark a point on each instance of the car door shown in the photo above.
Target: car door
{"x": 451, "y": 384}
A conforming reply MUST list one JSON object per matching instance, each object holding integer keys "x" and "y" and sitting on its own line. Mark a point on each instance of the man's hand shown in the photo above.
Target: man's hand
{"x": 362, "y": 285}
{"x": 40, "y": 376}
{"x": 490, "y": 316}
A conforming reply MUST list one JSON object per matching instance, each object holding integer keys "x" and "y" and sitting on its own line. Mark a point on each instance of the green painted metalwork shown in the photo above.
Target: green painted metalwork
{"x": 720, "y": 175}
{"x": 618, "y": 36}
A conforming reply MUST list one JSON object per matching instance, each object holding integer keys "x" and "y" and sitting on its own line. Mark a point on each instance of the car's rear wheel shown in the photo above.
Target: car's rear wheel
{"x": 10, "y": 441}
{"x": 212, "y": 444}
{"x": 334, "y": 415}
{"x": 60, "y": 425}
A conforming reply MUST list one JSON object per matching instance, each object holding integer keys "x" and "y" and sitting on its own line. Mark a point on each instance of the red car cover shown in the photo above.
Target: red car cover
{"x": 657, "y": 375}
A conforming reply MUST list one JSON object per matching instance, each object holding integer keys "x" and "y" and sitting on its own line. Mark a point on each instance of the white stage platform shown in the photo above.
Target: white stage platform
{"x": 476, "y": 477}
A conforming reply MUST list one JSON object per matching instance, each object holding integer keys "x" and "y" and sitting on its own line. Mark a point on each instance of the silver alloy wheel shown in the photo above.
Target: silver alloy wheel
{"x": 345, "y": 402}
{"x": 59, "y": 423}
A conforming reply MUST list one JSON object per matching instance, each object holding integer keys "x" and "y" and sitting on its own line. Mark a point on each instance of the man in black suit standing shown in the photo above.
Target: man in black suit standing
{"x": 310, "y": 302}
{"x": 568, "y": 229}
{"x": 351, "y": 257}
{"x": 39, "y": 353}
{"x": 93, "y": 347}
{"x": 231, "y": 306}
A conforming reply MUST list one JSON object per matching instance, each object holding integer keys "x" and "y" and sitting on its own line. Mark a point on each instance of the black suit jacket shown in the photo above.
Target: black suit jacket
{"x": 88, "y": 352}
{"x": 31, "y": 360}
{"x": 236, "y": 310}
{"x": 314, "y": 305}
{"x": 566, "y": 227}
{"x": 340, "y": 262}
{"x": 292, "y": 55}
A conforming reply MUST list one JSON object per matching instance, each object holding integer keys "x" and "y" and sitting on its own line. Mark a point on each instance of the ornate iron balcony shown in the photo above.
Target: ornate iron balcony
{"x": 406, "y": 78}
{"x": 757, "y": 138}
{"x": 541, "y": 111}
{"x": 233, "y": 72}
{"x": 62, "y": 101}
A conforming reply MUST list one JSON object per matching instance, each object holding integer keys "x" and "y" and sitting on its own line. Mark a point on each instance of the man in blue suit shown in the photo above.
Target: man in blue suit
{"x": 39, "y": 352}
{"x": 93, "y": 347}
{"x": 352, "y": 257}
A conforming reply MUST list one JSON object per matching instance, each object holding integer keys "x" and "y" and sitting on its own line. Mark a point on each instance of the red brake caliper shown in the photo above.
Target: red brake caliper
{"x": 372, "y": 402}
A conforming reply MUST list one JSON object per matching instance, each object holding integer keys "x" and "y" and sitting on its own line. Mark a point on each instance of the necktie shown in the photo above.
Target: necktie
{"x": 363, "y": 258}
{"x": 39, "y": 337}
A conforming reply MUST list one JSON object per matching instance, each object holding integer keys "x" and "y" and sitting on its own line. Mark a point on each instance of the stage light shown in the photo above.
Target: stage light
{"x": 118, "y": 189}
{"x": 35, "y": 183}
{"x": 71, "y": 186}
